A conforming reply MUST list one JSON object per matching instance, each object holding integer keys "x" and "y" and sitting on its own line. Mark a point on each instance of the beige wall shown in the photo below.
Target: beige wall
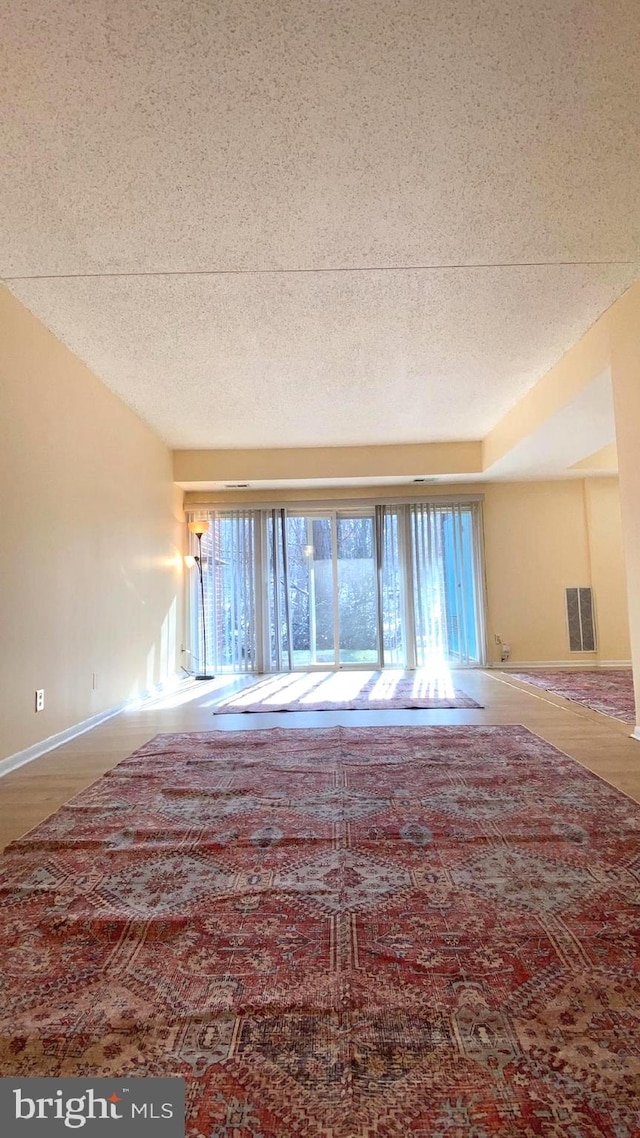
{"x": 89, "y": 564}
{"x": 193, "y": 468}
{"x": 623, "y": 322}
{"x": 541, "y": 538}
{"x": 608, "y": 576}
{"x": 583, "y": 363}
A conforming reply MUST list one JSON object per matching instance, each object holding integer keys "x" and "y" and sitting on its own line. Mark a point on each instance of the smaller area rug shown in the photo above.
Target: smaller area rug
{"x": 608, "y": 690}
{"x": 347, "y": 691}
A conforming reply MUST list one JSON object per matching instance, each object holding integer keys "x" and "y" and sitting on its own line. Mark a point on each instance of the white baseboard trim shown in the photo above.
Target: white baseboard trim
{"x": 521, "y": 665}
{"x": 57, "y": 740}
{"x": 635, "y": 734}
{"x": 12, "y": 762}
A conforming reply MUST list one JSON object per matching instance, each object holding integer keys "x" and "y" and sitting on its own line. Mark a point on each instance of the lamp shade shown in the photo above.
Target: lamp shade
{"x": 199, "y": 527}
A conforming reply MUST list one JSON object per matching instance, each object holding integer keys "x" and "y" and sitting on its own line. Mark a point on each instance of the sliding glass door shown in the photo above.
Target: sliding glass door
{"x": 332, "y": 581}
{"x": 357, "y": 589}
{"x": 397, "y": 584}
{"x": 311, "y": 590}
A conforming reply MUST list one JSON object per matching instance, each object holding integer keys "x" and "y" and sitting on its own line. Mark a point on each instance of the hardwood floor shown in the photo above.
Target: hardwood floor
{"x": 37, "y": 789}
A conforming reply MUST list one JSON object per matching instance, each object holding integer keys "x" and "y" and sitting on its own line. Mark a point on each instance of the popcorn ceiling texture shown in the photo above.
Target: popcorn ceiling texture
{"x": 185, "y": 137}
{"x": 323, "y": 359}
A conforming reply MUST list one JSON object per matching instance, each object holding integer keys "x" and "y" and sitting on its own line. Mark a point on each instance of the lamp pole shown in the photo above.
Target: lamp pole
{"x": 198, "y": 528}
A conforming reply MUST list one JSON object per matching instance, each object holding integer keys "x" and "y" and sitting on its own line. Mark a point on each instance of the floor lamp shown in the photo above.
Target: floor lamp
{"x": 198, "y": 528}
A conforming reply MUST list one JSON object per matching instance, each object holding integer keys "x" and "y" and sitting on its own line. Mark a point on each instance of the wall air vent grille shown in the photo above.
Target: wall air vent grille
{"x": 581, "y": 620}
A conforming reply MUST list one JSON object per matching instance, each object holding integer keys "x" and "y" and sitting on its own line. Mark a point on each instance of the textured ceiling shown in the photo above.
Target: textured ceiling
{"x": 324, "y": 359}
{"x": 234, "y": 143}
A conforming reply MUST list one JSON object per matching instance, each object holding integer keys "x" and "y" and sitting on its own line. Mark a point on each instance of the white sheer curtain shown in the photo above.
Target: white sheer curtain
{"x": 231, "y": 565}
{"x": 431, "y": 582}
{"x": 447, "y": 581}
{"x": 278, "y": 650}
{"x": 429, "y": 586}
{"x": 235, "y": 633}
{"x": 395, "y": 619}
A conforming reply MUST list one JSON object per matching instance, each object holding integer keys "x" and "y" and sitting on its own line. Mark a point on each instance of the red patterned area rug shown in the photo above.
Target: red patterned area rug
{"x": 354, "y": 933}
{"x": 347, "y": 691}
{"x": 608, "y": 690}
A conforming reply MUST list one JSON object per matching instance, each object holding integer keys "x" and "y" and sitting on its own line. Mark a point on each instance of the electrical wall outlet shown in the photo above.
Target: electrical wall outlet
{"x": 40, "y": 699}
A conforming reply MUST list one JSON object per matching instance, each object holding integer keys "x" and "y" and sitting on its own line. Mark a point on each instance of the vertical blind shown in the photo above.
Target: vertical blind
{"x": 428, "y": 583}
{"x": 232, "y": 581}
{"x": 429, "y": 586}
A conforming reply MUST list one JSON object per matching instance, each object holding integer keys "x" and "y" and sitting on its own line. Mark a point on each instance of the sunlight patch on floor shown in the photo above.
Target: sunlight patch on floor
{"x": 434, "y": 681}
